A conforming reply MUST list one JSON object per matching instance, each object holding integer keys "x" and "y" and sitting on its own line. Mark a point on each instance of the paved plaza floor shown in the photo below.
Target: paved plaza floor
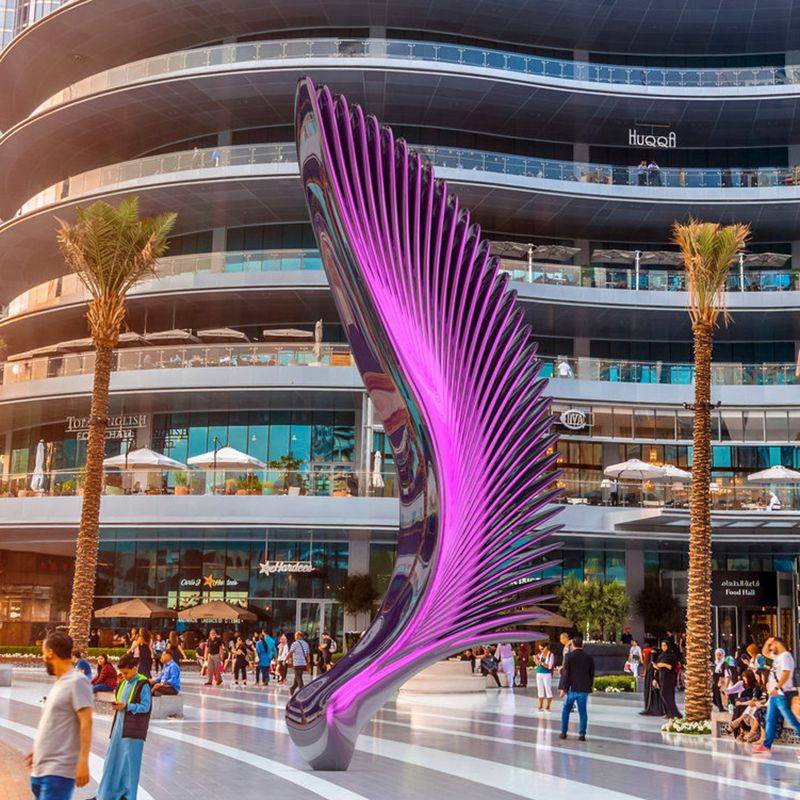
{"x": 233, "y": 743}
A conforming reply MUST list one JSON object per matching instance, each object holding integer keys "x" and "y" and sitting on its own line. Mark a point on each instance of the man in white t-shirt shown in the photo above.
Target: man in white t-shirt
{"x": 780, "y": 687}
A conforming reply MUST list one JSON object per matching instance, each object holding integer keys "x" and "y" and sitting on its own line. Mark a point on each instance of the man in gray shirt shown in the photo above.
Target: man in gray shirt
{"x": 60, "y": 757}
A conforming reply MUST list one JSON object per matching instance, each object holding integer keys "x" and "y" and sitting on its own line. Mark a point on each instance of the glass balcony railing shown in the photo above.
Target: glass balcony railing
{"x": 726, "y": 495}
{"x": 649, "y": 279}
{"x": 179, "y": 357}
{"x": 317, "y": 480}
{"x": 529, "y": 167}
{"x": 433, "y": 52}
{"x": 618, "y": 371}
{"x": 68, "y": 288}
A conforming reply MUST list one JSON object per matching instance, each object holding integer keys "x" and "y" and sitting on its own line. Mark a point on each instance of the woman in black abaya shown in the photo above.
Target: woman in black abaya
{"x": 667, "y": 666}
{"x": 652, "y": 690}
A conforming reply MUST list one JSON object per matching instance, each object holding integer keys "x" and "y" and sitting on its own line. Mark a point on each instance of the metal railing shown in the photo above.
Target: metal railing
{"x": 529, "y": 167}
{"x": 662, "y": 372}
{"x": 433, "y": 52}
{"x": 179, "y": 357}
{"x": 69, "y": 288}
{"x": 318, "y": 480}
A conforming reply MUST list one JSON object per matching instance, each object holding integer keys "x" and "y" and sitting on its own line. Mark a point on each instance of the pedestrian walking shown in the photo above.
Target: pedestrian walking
{"x": 128, "y": 733}
{"x": 545, "y": 663}
{"x": 142, "y": 650}
{"x": 781, "y": 691}
{"x": 504, "y": 653}
{"x": 283, "y": 655}
{"x": 214, "y": 653}
{"x": 265, "y": 652}
{"x": 239, "y": 652}
{"x": 575, "y": 685}
{"x": 524, "y": 660}
{"x": 299, "y": 655}
{"x": 59, "y": 760}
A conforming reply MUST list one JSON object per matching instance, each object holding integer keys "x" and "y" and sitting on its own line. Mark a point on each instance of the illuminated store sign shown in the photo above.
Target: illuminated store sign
{"x": 665, "y": 142}
{"x": 292, "y": 567}
{"x": 573, "y": 418}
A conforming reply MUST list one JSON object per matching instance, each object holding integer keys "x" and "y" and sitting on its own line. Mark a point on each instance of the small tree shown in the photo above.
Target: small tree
{"x": 576, "y": 603}
{"x": 614, "y": 608}
{"x": 594, "y": 605}
{"x": 288, "y": 466}
{"x": 357, "y": 594}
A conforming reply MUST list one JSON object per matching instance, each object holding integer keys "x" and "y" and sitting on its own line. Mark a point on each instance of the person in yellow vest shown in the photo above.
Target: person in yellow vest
{"x": 128, "y": 733}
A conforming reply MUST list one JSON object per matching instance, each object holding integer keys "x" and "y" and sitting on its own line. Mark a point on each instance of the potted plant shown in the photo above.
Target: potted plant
{"x": 181, "y": 483}
{"x": 289, "y": 470}
{"x": 65, "y": 488}
{"x": 242, "y": 486}
{"x": 254, "y": 485}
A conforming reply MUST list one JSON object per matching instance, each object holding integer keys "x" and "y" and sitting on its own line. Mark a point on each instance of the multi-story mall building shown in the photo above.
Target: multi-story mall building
{"x": 576, "y": 131}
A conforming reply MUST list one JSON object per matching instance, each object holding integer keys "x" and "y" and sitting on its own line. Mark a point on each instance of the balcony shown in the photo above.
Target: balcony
{"x": 222, "y": 56}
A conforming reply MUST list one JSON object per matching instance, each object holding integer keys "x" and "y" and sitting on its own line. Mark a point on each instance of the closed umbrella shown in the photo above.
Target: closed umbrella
{"x": 377, "y": 471}
{"x": 226, "y": 458}
{"x": 37, "y": 480}
{"x": 144, "y": 460}
{"x": 318, "y": 340}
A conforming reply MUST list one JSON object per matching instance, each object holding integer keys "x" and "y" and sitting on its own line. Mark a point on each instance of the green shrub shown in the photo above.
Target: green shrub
{"x": 612, "y": 683}
{"x": 92, "y": 652}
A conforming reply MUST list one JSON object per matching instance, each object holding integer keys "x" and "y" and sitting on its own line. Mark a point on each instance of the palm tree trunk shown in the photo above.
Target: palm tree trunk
{"x": 80, "y": 615}
{"x": 698, "y": 612}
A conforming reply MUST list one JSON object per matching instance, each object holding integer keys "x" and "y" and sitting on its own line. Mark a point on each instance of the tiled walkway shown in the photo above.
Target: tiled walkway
{"x": 442, "y": 747}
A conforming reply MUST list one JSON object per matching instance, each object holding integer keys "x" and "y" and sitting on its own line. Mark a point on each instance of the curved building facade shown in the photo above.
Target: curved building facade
{"x": 577, "y": 134}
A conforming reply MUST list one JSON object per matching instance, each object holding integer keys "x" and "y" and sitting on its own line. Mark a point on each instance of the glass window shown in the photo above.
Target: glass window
{"x": 665, "y": 425}
{"x": 623, "y": 423}
{"x": 732, "y": 426}
{"x": 685, "y": 425}
{"x": 602, "y": 421}
{"x": 644, "y": 423}
{"x": 754, "y": 426}
{"x": 794, "y": 426}
{"x": 615, "y": 566}
{"x": 322, "y": 436}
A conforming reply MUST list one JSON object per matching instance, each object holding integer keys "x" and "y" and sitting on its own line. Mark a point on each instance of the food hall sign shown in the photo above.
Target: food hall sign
{"x": 744, "y": 589}
{"x": 664, "y": 141}
{"x": 122, "y": 426}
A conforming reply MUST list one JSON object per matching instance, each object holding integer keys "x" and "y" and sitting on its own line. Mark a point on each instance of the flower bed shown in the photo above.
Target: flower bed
{"x": 684, "y": 726}
{"x": 615, "y": 684}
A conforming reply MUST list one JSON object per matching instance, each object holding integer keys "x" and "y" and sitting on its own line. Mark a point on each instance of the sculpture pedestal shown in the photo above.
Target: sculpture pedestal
{"x": 445, "y": 677}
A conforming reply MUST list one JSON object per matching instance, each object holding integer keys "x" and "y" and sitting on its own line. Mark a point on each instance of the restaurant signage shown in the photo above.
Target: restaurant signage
{"x": 209, "y": 582}
{"x": 744, "y": 589}
{"x": 573, "y": 418}
{"x": 284, "y": 567}
{"x": 121, "y": 426}
{"x": 667, "y": 141}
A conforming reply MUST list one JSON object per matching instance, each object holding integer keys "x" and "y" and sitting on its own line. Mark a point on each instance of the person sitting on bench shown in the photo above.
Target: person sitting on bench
{"x": 169, "y": 679}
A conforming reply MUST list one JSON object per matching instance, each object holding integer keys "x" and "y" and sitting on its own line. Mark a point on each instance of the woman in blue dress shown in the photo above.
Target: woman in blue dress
{"x": 128, "y": 733}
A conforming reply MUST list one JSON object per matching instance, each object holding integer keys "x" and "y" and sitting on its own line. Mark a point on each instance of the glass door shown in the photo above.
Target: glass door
{"x": 726, "y": 624}
{"x": 315, "y": 617}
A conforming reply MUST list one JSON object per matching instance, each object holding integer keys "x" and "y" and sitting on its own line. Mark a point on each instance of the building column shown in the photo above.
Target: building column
{"x": 7, "y": 456}
{"x": 580, "y": 152}
{"x": 582, "y": 258}
{"x": 219, "y": 241}
{"x": 357, "y": 564}
{"x": 581, "y": 347}
{"x": 792, "y": 67}
{"x": 634, "y": 583}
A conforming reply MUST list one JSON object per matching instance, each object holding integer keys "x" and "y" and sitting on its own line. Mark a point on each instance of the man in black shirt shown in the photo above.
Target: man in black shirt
{"x": 627, "y": 636}
{"x": 214, "y": 649}
{"x": 577, "y": 679}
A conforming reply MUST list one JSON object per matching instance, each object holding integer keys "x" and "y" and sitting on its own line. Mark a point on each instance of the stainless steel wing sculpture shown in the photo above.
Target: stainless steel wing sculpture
{"x": 452, "y": 371}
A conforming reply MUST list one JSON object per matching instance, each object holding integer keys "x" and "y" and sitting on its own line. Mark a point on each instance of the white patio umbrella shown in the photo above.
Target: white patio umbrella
{"x": 377, "y": 471}
{"x": 174, "y": 336}
{"x": 776, "y": 474}
{"x": 226, "y": 458}
{"x": 674, "y": 474}
{"x": 37, "y": 479}
{"x": 222, "y": 335}
{"x": 288, "y": 333}
{"x": 144, "y": 460}
{"x": 634, "y": 470}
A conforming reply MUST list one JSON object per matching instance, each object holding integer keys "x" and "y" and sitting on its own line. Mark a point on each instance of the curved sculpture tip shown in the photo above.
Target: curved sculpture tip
{"x": 449, "y": 364}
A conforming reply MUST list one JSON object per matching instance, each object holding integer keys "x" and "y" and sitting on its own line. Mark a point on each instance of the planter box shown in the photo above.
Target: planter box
{"x": 609, "y": 659}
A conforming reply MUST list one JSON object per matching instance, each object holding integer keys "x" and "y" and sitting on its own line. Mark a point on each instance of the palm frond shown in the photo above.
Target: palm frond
{"x": 708, "y": 249}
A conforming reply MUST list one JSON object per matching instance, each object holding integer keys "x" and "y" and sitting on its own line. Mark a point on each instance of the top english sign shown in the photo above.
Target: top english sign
{"x": 667, "y": 141}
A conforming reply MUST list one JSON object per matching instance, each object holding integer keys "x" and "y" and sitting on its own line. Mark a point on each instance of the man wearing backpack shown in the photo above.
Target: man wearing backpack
{"x": 299, "y": 655}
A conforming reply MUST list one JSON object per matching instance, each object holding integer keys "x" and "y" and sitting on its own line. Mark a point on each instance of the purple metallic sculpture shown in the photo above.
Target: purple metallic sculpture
{"x": 450, "y": 366}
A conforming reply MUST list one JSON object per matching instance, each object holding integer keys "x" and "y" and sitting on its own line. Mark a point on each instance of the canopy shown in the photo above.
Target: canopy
{"x": 673, "y": 473}
{"x": 545, "y": 252}
{"x": 775, "y": 475}
{"x": 288, "y": 333}
{"x": 613, "y": 257}
{"x": 226, "y": 458}
{"x": 128, "y": 339}
{"x": 144, "y": 459}
{"x": 634, "y": 470}
{"x": 662, "y": 258}
{"x": 175, "y": 336}
{"x": 549, "y": 618}
{"x": 766, "y": 259}
{"x": 217, "y": 609}
{"x": 48, "y": 350}
{"x": 20, "y": 356}
{"x": 222, "y": 335}
{"x": 136, "y": 609}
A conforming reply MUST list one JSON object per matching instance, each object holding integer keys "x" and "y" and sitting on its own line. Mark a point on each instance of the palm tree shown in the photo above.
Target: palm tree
{"x": 111, "y": 250}
{"x": 708, "y": 250}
